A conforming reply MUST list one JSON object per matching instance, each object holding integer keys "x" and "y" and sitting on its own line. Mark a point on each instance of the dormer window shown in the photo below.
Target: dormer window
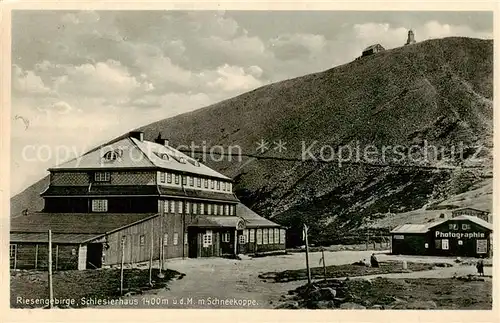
{"x": 102, "y": 177}
{"x": 112, "y": 155}
{"x": 163, "y": 156}
{"x": 194, "y": 162}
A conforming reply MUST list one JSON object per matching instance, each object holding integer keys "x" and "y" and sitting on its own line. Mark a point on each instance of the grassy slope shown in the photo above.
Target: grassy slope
{"x": 438, "y": 90}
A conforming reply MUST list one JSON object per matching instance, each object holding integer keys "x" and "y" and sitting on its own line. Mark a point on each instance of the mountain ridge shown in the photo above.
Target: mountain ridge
{"x": 437, "y": 91}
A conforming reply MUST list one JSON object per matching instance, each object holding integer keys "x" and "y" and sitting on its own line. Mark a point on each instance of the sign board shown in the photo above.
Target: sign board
{"x": 482, "y": 246}
{"x": 460, "y": 235}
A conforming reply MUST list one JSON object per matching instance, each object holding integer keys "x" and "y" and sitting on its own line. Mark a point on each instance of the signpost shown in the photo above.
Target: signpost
{"x": 151, "y": 257}
{"x": 307, "y": 254}
{"x": 51, "y": 290}
{"x": 323, "y": 260}
{"x": 121, "y": 265}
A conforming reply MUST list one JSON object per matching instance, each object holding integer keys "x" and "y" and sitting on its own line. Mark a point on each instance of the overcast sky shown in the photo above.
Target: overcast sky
{"x": 82, "y": 78}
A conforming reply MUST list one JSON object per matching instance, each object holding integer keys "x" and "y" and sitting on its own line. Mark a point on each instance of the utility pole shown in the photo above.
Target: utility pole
{"x": 307, "y": 255}
{"x": 162, "y": 251}
{"x": 51, "y": 290}
{"x": 121, "y": 265}
{"x": 151, "y": 256}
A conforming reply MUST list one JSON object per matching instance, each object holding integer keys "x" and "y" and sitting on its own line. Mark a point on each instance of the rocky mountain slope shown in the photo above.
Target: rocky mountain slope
{"x": 435, "y": 93}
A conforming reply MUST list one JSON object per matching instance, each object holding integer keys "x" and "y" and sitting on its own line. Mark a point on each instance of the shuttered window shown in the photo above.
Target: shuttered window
{"x": 265, "y": 236}
{"x": 102, "y": 177}
{"x": 99, "y": 205}
{"x": 282, "y": 236}
{"x": 259, "y": 236}
{"x": 207, "y": 238}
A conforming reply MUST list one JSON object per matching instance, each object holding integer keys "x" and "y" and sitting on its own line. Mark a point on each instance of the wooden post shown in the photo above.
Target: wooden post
{"x": 307, "y": 255}
{"x": 160, "y": 254}
{"x": 57, "y": 255}
{"x": 324, "y": 265}
{"x": 51, "y": 290}
{"x": 121, "y": 265}
{"x": 235, "y": 242}
{"x": 36, "y": 256}
{"x": 151, "y": 257}
{"x": 162, "y": 251}
{"x": 15, "y": 256}
{"x": 367, "y": 239}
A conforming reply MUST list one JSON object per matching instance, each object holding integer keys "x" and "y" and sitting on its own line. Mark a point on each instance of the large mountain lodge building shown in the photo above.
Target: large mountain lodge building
{"x": 132, "y": 198}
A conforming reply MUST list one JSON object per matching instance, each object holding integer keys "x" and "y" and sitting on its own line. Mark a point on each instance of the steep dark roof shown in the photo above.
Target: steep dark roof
{"x": 16, "y": 237}
{"x": 216, "y": 221}
{"x": 75, "y": 223}
{"x": 166, "y": 191}
{"x": 469, "y": 208}
{"x": 252, "y": 219}
{"x": 372, "y": 47}
{"x": 101, "y": 190}
{"x": 139, "y": 154}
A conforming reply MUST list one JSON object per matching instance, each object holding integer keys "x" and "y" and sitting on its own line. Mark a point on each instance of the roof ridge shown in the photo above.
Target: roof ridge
{"x": 142, "y": 151}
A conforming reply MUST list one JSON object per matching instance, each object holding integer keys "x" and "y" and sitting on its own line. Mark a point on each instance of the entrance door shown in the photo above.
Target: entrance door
{"x": 94, "y": 255}
{"x": 242, "y": 243}
{"x": 461, "y": 249}
{"x": 192, "y": 244}
{"x": 227, "y": 242}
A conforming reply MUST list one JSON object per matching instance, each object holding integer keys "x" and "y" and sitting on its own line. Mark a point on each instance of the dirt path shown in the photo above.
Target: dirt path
{"x": 210, "y": 282}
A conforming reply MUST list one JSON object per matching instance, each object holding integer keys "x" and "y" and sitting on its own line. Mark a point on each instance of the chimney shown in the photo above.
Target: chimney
{"x": 161, "y": 141}
{"x": 411, "y": 38}
{"x": 139, "y": 135}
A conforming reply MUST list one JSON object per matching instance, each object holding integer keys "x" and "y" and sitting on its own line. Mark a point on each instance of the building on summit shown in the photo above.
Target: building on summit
{"x": 132, "y": 197}
{"x": 411, "y": 38}
{"x": 373, "y": 49}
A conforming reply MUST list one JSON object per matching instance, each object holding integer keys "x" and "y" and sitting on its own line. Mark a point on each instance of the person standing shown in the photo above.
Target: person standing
{"x": 480, "y": 267}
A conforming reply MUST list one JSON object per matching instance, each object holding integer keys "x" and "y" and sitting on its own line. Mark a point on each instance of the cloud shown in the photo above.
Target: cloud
{"x": 233, "y": 78}
{"x": 434, "y": 29}
{"x": 27, "y": 82}
{"x": 102, "y": 79}
{"x": 296, "y": 46}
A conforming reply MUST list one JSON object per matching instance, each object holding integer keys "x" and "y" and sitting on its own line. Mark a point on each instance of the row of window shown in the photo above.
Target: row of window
{"x": 260, "y": 236}
{"x": 166, "y": 242}
{"x": 170, "y": 206}
{"x": 265, "y": 235}
{"x": 198, "y": 182}
{"x": 454, "y": 226}
{"x": 171, "y": 178}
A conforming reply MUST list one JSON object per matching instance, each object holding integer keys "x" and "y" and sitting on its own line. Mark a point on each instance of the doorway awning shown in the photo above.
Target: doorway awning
{"x": 219, "y": 222}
